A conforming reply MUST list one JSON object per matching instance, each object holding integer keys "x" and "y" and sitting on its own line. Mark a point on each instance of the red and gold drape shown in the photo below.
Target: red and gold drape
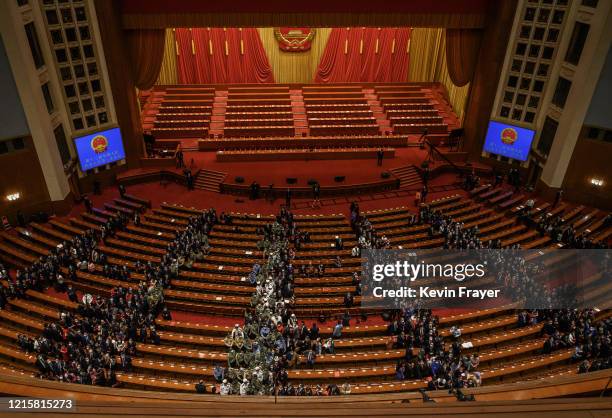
{"x": 146, "y": 49}
{"x": 221, "y": 55}
{"x": 365, "y": 55}
{"x": 462, "y": 47}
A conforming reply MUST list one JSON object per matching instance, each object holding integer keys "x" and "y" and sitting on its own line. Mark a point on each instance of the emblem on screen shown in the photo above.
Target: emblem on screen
{"x": 509, "y": 136}
{"x": 99, "y": 144}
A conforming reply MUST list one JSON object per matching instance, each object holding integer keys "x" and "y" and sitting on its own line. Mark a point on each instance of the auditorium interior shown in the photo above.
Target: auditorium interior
{"x": 205, "y": 183}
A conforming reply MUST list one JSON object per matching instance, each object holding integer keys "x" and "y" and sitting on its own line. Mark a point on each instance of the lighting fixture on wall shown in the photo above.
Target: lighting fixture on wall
{"x": 597, "y": 182}
{"x": 13, "y": 197}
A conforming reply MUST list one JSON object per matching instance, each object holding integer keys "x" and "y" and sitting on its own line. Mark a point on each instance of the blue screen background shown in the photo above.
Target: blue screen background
{"x": 518, "y": 151}
{"x": 90, "y": 159}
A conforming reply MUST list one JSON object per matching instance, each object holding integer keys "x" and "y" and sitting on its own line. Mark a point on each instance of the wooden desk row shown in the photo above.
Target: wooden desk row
{"x": 356, "y": 120}
{"x": 248, "y": 123}
{"x": 163, "y": 109}
{"x": 257, "y": 115}
{"x": 264, "y": 95}
{"x": 177, "y": 132}
{"x": 233, "y": 108}
{"x": 183, "y": 116}
{"x": 238, "y": 131}
{"x": 369, "y": 129}
{"x": 182, "y": 123}
{"x": 308, "y": 95}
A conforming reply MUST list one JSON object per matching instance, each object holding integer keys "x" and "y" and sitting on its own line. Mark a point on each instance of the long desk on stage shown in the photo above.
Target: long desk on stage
{"x": 301, "y": 154}
{"x": 215, "y": 144}
{"x": 417, "y": 128}
{"x": 382, "y": 185}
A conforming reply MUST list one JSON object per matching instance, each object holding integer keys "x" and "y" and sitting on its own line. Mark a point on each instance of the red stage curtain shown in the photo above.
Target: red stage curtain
{"x": 462, "y": 46}
{"x": 146, "y": 49}
{"x": 185, "y": 64}
{"x": 352, "y": 55}
{"x": 218, "y": 56}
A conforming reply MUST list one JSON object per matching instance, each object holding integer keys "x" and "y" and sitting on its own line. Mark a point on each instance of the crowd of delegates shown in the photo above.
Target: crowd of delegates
{"x": 367, "y": 236}
{"x": 575, "y": 329}
{"x": 90, "y": 347}
{"x": 566, "y": 234}
{"x": 191, "y": 244}
{"x": 271, "y": 339}
{"x": 426, "y": 357}
{"x": 62, "y": 263}
{"x": 87, "y": 347}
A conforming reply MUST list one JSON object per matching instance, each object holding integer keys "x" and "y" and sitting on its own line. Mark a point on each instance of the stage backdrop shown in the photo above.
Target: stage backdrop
{"x": 294, "y": 67}
{"x": 365, "y": 55}
{"x": 423, "y": 53}
{"x": 220, "y": 55}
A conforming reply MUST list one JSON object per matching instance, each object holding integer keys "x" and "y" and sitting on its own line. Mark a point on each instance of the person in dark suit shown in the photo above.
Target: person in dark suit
{"x": 316, "y": 193}
{"x": 189, "y": 179}
{"x": 424, "y": 193}
{"x": 200, "y": 387}
{"x": 88, "y": 204}
{"x": 288, "y": 198}
{"x": 379, "y": 156}
{"x": 180, "y": 162}
{"x": 122, "y": 190}
{"x": 558, "y": 197}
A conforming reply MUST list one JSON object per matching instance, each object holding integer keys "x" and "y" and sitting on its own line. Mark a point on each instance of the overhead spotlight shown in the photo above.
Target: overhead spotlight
{"x": 13, "y": 197}
{"x": 597, "y": 182}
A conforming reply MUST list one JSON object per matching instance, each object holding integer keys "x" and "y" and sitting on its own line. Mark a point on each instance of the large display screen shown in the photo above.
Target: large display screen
{"x": 508, "y": 140}
{"x": 99, "y": 148}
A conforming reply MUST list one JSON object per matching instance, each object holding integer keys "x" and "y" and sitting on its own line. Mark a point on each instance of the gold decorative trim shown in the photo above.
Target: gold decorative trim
{"x": 293, "y": 43}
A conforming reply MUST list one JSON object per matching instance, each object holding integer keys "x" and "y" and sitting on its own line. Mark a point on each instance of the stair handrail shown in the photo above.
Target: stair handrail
{"x": 433, "y": 149}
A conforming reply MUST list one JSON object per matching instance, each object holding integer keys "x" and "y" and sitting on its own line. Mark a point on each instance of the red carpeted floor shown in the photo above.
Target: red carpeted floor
{"x": 203, "y": 199}
{"x": 324, "y": 171}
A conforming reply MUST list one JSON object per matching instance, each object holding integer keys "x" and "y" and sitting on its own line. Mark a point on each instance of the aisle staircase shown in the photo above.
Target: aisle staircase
{"x": 410, "y": 179}
{"x": 377, "y": 110}
{"x": 217, "y": 120}
{"x": 209, "y": 180}
{"x": 300, "y": 121}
